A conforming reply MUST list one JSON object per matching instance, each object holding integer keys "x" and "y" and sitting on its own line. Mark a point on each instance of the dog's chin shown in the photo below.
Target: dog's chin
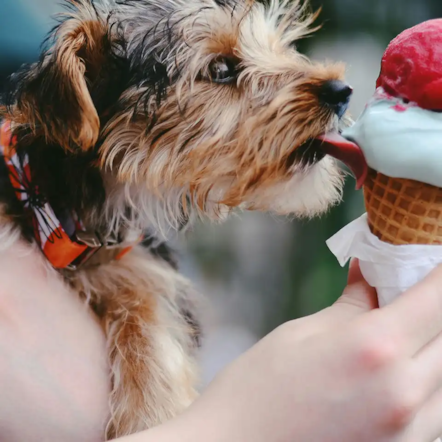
{"x": 310, "y": 192}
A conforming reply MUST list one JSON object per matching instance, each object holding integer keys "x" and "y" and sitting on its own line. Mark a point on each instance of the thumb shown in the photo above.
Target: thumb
{"x": 358, "y": 296}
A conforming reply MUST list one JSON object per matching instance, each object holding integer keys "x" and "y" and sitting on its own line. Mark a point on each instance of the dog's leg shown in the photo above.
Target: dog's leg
{"x": 150, "y": 342}
{"x": 151, "y": 372}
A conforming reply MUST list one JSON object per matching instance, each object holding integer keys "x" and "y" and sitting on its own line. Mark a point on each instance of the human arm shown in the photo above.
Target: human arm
{"x": 54, "y": 380}
{"x": 349, "y": 373}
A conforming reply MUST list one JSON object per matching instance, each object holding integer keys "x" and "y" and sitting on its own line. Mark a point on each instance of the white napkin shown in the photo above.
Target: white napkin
{"x": 390, "y": 269}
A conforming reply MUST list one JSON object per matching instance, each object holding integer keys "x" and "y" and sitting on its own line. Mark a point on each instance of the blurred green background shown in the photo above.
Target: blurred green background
{"x": 258, "y": 271}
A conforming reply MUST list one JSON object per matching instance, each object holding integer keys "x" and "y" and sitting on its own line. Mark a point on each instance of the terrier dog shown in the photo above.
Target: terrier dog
{"x": 141, "y": 116}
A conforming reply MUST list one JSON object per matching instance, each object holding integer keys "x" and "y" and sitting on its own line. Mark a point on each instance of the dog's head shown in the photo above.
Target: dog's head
{"x": 191, "y": 104}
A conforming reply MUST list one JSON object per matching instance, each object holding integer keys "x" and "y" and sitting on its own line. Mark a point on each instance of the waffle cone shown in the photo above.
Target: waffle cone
{"x": 403, "y": 211}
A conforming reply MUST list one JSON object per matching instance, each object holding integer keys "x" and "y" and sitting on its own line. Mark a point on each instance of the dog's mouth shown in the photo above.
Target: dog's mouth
{"x": 307, "y": 154}
{"x": 335, "y": 145}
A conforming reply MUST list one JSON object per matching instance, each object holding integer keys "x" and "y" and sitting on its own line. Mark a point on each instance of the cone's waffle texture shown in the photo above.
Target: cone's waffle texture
{"x": 403, "y": 211}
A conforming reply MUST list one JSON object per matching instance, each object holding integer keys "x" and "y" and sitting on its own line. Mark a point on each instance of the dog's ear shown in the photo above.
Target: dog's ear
{"x": 53, "y": 97}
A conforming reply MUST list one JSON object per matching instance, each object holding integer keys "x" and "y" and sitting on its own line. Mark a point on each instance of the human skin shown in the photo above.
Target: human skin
{"x": 349, "y": 373}
{"x": 352, "y": 372}
{"x": 53, "y": 372}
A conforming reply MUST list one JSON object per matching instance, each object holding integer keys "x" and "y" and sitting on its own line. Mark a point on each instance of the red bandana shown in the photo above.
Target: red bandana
{"x": 63, "y": 250}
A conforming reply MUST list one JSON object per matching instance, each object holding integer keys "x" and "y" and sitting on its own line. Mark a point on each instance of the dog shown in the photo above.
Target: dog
{"x": 140, "y": 117}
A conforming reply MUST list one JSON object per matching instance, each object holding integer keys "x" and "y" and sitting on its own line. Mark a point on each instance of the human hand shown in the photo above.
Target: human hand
{"x": 53, "y": 369}
{"x": 350, "y": 373}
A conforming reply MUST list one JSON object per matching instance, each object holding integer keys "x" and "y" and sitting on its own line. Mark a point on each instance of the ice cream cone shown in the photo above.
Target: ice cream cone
{"x": 402, "y": 211}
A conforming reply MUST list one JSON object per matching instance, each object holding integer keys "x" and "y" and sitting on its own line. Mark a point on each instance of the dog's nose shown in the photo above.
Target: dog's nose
{"x": 336, "y": 95}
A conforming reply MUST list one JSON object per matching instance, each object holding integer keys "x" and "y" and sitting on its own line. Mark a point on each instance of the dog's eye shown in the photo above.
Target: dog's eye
{"x": 223, "y": 70}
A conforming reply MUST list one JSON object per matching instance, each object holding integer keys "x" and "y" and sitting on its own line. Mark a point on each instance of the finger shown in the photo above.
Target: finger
{"x": 428, "y": 366}
{"x": 354, "y": 272}
{"x": 416, "y": 316}
{"x": 358, "y": 296}
{"x": 427, "y": 425}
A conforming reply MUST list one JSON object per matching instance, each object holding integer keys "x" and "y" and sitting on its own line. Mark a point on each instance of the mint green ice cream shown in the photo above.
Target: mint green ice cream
{"x": 400, "y": 140}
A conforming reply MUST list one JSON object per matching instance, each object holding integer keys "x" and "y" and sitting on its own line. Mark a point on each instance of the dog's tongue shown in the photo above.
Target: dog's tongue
{"x": 348, "y": 152}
